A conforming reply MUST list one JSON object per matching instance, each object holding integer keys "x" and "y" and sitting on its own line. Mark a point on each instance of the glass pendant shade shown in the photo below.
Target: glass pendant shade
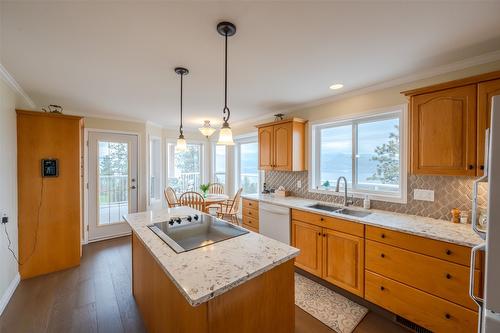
{"x": 207, "y": 130}
{"x": 181, "y": 145}
{"x": 226, "y": 136}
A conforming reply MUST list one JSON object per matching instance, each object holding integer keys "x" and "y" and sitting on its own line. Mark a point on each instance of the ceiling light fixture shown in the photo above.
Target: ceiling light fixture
{"x": 181, "y": 145}
{"x": 226, "y": 29}
{"x": 207, "y": 130}
{"x": 336, "y": 86}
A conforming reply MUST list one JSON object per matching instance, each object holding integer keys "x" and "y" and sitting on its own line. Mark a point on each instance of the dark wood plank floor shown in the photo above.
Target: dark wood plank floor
{"x": 96, "y": 297}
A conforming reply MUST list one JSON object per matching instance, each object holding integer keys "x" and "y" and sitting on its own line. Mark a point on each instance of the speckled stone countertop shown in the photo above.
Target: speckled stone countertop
{"x": 461, "y": 234}
{"x": 209, "y": 271}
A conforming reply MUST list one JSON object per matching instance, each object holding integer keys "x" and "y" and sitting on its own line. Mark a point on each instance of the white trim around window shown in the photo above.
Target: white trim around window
{"x": 360, "y": 190}
{"x": 204, "y": 161}
{"x": 247, "y": 138}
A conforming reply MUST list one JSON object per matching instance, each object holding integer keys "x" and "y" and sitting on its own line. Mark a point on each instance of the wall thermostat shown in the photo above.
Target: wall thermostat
{"x": 50, "y": 168}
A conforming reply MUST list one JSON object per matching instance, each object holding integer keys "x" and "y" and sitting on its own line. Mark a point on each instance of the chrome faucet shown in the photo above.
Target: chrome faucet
{"x": 347, "y": 201}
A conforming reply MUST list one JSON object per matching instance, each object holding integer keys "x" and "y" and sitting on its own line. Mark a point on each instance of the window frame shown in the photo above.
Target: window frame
{"x": 250, "y": 138}
{"x": 214, "y": 174}
{"x": 151, "y": 138}
{"x": 204, "y": 161}
{"x": 379, "y": 114}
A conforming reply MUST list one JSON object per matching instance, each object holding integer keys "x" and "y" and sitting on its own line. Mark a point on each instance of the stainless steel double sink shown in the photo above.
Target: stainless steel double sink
{"x": 339, "y": 210}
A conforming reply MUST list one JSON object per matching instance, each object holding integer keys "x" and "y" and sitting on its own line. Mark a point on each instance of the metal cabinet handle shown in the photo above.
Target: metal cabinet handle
{"x": 479, "y": 301}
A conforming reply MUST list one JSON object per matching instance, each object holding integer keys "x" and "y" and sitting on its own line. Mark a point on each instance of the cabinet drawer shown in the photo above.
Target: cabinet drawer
{"x": 431, "y": 312}
{"x": 443, "y": 250}
{"x": 330, "y": 222}
{"x": 435, "y": 276}
{"x": 250, "y": 212}
{"x": 251, "y": 222}
{"x": 251, "y": 204}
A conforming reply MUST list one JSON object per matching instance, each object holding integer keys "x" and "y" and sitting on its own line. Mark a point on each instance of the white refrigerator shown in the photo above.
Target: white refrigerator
{"x": 489, "y": 305}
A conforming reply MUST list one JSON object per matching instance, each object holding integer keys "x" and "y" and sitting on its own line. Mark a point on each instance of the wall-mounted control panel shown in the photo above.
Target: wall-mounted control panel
{"x": 50, "y": 167}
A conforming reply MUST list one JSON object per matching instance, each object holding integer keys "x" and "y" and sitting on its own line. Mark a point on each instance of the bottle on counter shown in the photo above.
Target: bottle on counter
{"x": 464, "y": 217}
{"x": 366, "y": 202}
{"x": 455, "y": 215}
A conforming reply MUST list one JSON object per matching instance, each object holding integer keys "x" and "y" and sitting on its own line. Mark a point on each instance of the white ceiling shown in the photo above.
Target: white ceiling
{"x": 116, "y": 59}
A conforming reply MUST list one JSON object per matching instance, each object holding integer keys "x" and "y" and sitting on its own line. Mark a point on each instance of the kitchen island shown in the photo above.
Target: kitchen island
{"x": 242, "y": 284}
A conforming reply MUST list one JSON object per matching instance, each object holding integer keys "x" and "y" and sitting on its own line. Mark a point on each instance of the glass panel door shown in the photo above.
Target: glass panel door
{"x": 112, "y": 183}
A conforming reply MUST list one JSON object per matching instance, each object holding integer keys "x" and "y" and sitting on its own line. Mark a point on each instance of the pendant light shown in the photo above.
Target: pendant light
{"x": 226, "y": 29}
{"x": 207, "y": 130}
{"x": 181, "y": 145}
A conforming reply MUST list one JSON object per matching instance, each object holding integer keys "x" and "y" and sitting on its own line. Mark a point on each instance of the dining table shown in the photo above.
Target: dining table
{"x": 215, "y": 199}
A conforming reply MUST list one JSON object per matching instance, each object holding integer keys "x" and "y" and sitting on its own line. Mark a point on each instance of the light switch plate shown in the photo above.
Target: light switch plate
{"x": 424, "y": 195}
{"x": 299, "y": 183}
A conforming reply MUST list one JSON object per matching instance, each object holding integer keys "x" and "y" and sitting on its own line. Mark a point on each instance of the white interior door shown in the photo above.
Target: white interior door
{"x": 113, "y": 183}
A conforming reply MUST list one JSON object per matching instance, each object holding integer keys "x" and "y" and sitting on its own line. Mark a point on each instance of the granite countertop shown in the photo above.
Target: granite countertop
{"x": 461, "y": 234}
{"x": 209, "y": 271}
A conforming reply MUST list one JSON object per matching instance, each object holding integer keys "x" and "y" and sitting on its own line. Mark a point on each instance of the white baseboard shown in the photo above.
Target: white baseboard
{"x": 128, "y": 233}
{"x": 9, "y": 292}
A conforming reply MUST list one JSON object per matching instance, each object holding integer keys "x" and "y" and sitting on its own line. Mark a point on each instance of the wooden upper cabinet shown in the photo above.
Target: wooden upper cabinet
{"x": 282, "y": 145}
{"x": 443, "y": 132}
{"x": 485, "y": 91}
{"x": 343, "y": 260}
{"x": 266, "y": 148}
{"x": 308, "y": 238}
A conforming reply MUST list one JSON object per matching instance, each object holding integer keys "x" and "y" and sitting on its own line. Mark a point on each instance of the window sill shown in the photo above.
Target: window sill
{"x": 397, "y": 198}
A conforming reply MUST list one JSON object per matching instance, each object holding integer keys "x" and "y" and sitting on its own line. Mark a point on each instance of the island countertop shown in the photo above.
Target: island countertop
{"x": 209, "y": 271}
{"x": 460, "y": 234}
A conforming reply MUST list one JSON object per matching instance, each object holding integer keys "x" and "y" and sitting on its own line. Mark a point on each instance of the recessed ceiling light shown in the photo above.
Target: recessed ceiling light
{"x": 336, "y": 86}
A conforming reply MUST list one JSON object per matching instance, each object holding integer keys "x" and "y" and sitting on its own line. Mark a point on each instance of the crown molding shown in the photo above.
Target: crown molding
{"x": 9, "y": 79}
{"x": 421, "y": 75}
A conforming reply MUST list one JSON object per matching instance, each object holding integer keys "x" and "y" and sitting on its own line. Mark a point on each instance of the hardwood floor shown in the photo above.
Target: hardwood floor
{"x": 96, "y": 297}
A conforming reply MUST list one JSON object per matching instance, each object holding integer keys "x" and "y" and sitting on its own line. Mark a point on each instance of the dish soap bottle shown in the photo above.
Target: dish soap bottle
{"x": 366, "y": 202}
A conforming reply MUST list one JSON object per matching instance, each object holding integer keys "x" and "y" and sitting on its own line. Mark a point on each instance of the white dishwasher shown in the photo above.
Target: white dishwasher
{"x": 274, "y": 222}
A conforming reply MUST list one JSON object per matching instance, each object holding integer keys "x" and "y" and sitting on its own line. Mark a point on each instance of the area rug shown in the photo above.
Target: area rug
{"x": 335, "y": 311}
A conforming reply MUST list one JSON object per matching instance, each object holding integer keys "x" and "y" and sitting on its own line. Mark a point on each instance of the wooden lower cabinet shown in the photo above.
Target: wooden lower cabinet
{"x": 335, "y": 256}
{"x": 308, "y": 238}
{"x": 431, "y": 312}
{"x": 250, "y": 215}
{"x": 438, "y": 277}
{"x": 343, "y": 260}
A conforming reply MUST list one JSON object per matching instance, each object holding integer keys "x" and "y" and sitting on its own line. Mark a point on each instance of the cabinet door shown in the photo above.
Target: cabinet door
{"x": 443, "y": 132}
{"x": 308, "y": 238}
{"x": 343, "y": 260}
{"x": 266, "y": 148}
{"x": 283, "y": 146}
{"x": 485, "y": 91}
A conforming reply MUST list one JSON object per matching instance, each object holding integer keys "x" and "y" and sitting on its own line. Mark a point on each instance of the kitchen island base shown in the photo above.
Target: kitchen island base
{"x": 262, "y": 304}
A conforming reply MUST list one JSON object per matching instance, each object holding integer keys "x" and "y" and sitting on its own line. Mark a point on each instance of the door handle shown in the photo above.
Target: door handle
{"x": 479, "y": 301}
{"x": 133, "y": 187}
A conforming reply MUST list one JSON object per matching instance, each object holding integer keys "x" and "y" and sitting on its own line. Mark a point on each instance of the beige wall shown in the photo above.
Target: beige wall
{"x": 365, "y": 102}
{"x": 8, "y": 184}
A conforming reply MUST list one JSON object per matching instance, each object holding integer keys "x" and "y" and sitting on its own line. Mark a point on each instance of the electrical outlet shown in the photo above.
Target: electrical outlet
{"x": 424, "y": 195}
{"x": 3, "y": 216}
{"x": 299, "y": 184}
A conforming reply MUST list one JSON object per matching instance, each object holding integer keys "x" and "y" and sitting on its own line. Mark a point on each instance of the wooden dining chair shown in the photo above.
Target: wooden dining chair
{"x": 193, "y": 199}
{"x": 216, "y": 188}
{"x": 171, "y": 197}
{"x": 229, "y": 210}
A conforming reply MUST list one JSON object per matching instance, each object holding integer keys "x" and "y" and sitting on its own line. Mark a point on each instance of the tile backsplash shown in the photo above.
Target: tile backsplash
{"x": 449, "y": 192}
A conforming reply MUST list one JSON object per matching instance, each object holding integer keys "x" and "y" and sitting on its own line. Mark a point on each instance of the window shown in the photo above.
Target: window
{"x": 248, "y": 167}
{"x": 155, "y": 190}
{"x": 367, "y": 151}
{"x": 184, "y": 168}
{"x": 220, "y": 164}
